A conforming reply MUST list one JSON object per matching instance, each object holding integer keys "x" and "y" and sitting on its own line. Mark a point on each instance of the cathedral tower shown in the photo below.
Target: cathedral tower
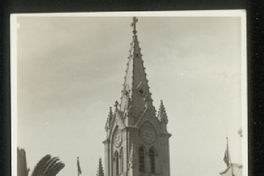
{"x": 137, "y": 140}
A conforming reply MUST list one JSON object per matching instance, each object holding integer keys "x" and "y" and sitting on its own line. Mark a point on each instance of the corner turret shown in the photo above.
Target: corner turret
{"x": 162, "y": 116}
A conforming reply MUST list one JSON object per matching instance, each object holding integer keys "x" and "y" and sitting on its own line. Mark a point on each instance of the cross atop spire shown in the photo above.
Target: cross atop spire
{"x": 135, "y": 20}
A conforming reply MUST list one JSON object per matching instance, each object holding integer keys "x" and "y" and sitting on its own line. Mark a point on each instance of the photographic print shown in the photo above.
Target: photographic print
{"x": 129, "y": 94}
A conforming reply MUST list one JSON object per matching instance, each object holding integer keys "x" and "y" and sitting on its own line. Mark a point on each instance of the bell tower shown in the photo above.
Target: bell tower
{"x": 137, "y": 140}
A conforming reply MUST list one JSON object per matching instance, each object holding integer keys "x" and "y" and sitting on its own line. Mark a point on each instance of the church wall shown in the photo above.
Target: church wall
{"x": 106, "y": 152}
{"x": 157, "y": 147}
{"x": 132, "y": 133}
{"x": 125, "y": 151}
{"x": 165, "y": 156}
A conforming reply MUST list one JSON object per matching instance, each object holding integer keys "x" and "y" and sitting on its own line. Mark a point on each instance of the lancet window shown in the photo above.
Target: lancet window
{"x": 121, "y": 161}
{"x": 152, "y": 160}
{"x": 141, "y": 157}
{"x": 116, "y": 164}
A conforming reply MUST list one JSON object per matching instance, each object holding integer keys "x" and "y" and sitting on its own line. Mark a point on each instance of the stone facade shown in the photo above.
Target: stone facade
{"x": 137, "y": 140}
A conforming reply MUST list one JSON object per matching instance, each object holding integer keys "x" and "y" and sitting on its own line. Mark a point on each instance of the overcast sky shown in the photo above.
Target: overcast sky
{"x": 71, "y": 70}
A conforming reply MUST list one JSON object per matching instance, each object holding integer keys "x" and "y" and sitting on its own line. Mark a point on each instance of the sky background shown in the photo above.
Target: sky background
{"x": 71, "y": 70}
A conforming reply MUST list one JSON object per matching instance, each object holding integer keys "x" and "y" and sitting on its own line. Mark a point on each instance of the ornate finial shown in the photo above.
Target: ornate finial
{"x": 135, "y": 20}
{"x": 116, "y": 104}
{"x": 109, "y": 119}
{"x": 110, "y": 114}
{"x": 162, "y": 115}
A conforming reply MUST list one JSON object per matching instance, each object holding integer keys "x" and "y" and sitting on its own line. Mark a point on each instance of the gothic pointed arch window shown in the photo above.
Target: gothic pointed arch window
{"x": 152, "y": 160}
{"x": 141, "y": 158}
{"x": 116, "y": 164}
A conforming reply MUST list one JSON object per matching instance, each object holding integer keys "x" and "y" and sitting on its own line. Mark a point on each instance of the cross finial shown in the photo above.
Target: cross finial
{"x": 135, "y": 20}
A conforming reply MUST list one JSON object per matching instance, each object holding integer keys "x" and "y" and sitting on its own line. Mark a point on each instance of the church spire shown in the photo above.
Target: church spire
{"x": 100, "y": 171}
{"x": 136, "y": 96}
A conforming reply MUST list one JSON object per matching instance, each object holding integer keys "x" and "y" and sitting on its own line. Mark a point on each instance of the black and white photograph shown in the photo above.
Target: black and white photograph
{"x": 129, "y": 94}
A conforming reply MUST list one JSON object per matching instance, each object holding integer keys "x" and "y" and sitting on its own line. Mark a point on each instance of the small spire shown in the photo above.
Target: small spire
{"x": 100, "y": 171}
{"x": 135, "y": 20}
{"x": 110, "y": 115}
{"x": 162, "y": 115}
{"x": 109, "y": 119}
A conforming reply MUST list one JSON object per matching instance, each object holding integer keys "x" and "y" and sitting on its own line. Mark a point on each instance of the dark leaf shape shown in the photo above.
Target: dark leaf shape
{"x": 51, "y": 166}
{"x": 59, "y": 166}
{"x": 39, "y": 167}
{"x": 48, "y": 166}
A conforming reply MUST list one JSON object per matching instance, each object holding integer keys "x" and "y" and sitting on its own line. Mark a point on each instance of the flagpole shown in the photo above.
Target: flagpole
{"x": 229, "y": 157}
{"x": 78, "y": 173}
{"x": 230, "y": 163}
{"x": 232, "y": 170}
